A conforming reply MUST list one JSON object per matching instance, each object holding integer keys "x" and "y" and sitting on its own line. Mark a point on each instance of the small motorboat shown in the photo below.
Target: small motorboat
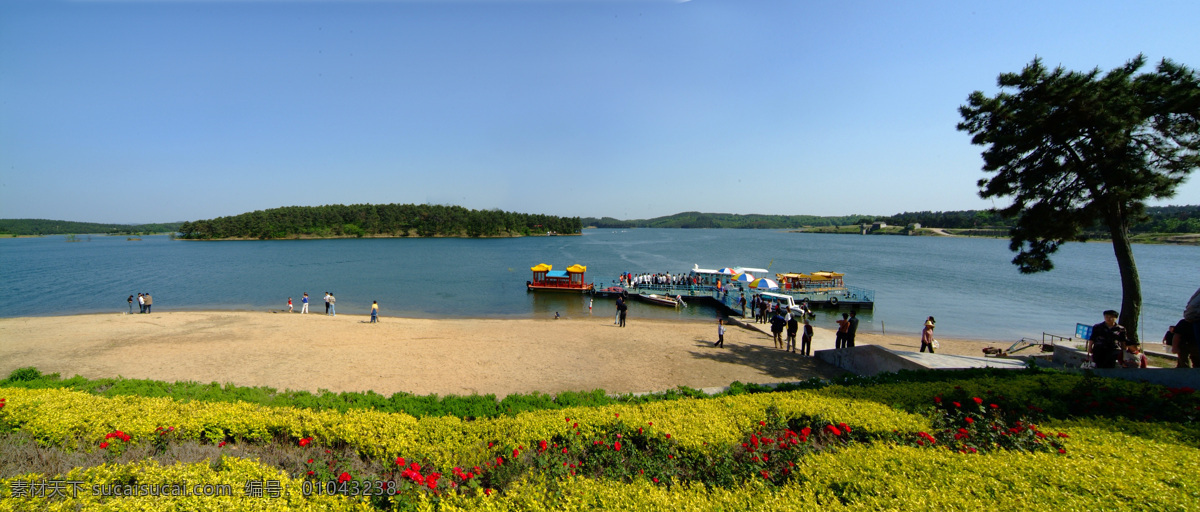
{"x": 661, "y": 300}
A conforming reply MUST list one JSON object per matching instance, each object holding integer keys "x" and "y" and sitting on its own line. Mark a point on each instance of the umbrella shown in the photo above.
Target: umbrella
{"x": 764, "y": 283}
{"x": 744, "y": 278}
{"x": 727, "y": 271}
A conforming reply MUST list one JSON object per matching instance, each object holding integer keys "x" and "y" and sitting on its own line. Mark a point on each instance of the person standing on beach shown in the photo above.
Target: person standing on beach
{"x": 374, "y": 311}
{"x": 289, "y": 304}
{"x": 1185, "y": 344}
{"x": 149, "y": 302}
{"x": 304, "y": 303}
{"x": 622, "y": 308}
{"x": 792, "y": 327}
{"x": 743, "y": 303}
{"x": 806, "y": 339}
{"x": 617, "y": 315}
{"x": 853, "y": 328}
{"x": 332, "y": 305}
{"x": 720, "y": 334}
{"x": 927, "y": 335}
{"x": 326, "y": 303}
{"x": 141, "y": 303}
{"x": 131, "y": 304}
{"x": 777, "y": 324}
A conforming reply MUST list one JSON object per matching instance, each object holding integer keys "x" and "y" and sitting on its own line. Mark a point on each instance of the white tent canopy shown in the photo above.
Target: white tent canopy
{"x": 697, "y": 270}
{"x": 743, "y": 270}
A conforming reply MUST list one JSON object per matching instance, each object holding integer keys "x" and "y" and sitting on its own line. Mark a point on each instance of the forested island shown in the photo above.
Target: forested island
{"x": 1160, "y": 219}
{"x": 368, "y": 220}
{"x": 38, "y": 227}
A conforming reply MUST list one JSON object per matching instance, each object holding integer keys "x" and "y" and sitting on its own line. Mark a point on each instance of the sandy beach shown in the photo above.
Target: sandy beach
{"x": 422, "y": 356}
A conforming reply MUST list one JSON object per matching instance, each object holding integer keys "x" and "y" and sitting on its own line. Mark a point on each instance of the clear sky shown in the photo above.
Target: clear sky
{"x": 167, "y": 110}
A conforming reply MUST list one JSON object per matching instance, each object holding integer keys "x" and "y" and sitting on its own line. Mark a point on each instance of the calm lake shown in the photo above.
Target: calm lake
{"x": 967, "y": 284}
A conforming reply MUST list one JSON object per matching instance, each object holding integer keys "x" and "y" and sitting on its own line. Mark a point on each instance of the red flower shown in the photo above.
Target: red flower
{"x": 617, "y": 446}
{"x": 616, "y": 414}
{"x": 956, "y": 404}
{"x": 994, "y": 406}
{"x": 310, "y": 473}
{"x": 487, "y": 492}
{"x": 399, "y": 461}
{"x": 668, "y": 436}
{"x": 220, "y": 444}
{"x": 305, "y": 441}
{"x": 833, "y": 430}
{"x": 104, "y": 445}
{"x": 651, "y": 423}
{"x": 844, "y": 427}
{"x": 937, "y": 399}
{"x": 655, "y": 479}
{"x": 978, "y": 401}
{"x": 417, "y": 467}
{"x": 542, "y": 446}
{"x": 310, "y": 461}
{"x": 762, "y": 423}
{"x": 344, "y": 477}
{"x": 969, "y": 421}
{"x": 516, "y": 453}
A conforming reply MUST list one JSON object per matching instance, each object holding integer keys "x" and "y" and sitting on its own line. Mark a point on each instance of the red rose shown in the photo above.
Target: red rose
{"x": 956, "y": 404}
{"x": 220, "y": 444}
{"x": 104, "y": 445}
{"x": 970, "y": 421}
{"x": 399, "y": 461}
{"x": 617, "y": 446}
{"x": 516, "y": 453}
{"x": 305, "y": 441}
{"x": 978, "y": 401}
{"x": 310, "y": 461}
{"x": 833, "y": 430}
{"x": 344, "y": 477}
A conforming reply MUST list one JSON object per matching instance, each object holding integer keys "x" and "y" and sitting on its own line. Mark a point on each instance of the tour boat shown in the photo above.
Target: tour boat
{"x": 546, "y": 279}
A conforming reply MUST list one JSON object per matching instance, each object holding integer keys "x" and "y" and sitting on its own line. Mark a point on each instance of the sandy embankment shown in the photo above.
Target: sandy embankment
{"x": 449, "y": 356}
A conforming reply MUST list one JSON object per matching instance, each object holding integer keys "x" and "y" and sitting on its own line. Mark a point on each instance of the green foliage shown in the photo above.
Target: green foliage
{"x": 1073, "y": 150}
{"x": 376, "y": 220}
{"x": 64, "y": 227}
{"x": 26, "y": 374}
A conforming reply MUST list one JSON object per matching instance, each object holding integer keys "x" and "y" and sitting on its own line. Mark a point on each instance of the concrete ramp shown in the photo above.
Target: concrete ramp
{"x": 874, "y": 359}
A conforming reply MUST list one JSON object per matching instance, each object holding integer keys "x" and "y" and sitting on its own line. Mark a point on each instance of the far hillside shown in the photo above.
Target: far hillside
{"x": 28, "y": 227}
{"x": 1159, "y": 219}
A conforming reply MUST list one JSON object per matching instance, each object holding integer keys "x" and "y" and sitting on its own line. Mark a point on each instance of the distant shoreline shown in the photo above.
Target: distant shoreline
{"x": 1144, "y": 238}
{"x": 340, "y": 237}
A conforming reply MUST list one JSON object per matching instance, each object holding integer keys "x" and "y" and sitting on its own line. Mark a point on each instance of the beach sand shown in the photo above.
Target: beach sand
{"x": 421, "y": 356}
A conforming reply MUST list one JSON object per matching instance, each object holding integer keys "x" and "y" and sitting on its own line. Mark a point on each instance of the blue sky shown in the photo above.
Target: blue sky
{"x": 149, "y": 111}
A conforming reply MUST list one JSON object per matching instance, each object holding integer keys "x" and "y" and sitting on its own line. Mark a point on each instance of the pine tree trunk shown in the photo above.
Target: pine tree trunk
{"x": 1131, "y": 285}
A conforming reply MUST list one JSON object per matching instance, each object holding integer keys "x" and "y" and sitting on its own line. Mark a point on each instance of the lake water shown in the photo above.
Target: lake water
{"x": 967, "y": 284}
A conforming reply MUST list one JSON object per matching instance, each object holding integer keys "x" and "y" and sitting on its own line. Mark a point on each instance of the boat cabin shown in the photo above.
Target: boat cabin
{"x": 816, "y": 281}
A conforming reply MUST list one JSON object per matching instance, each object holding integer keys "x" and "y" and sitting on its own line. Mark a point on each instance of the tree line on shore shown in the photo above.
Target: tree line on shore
{"x": 33, "y": 227}
{"x": 1161, "y": 219}
{"x": 377, "y": 220}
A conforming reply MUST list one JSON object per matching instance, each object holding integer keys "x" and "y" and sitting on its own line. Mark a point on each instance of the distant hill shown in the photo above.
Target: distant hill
{"x": 1160, "y": 219}
{"x": 66, "y": 227}
{"x": 359, "y": 220}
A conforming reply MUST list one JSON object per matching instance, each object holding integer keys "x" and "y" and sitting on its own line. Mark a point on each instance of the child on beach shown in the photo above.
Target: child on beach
{"x": 720, "y": 334}
{"x": 374, "y": 311}
{"x": 289, "y": 304}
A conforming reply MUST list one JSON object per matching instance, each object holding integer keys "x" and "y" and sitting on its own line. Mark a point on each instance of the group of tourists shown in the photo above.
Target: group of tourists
{"x": 144, "y": 301}
{"x": 781, "y": 321}
{"x": 1110, "y": 345}
{"x": 330, "y": 306}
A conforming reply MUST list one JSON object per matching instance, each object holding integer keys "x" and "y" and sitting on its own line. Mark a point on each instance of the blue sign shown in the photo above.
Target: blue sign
{"x": 1083, "y": 331}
